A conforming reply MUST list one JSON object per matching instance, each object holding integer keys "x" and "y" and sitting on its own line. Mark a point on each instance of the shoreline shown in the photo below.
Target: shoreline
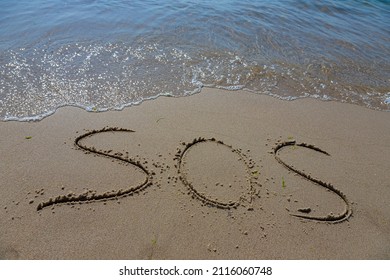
{"x": 177, "y": 216}
{"x": 89, "y": 109}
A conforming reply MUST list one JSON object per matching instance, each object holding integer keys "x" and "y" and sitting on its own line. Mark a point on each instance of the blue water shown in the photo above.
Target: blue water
{"x": 104, "y": 55}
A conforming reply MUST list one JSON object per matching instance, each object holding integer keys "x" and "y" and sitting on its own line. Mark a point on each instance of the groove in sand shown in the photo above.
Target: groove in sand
{"x": 90, "y": 197}
{"x": 193, "y": 191}
{"x": 330, "y": 218}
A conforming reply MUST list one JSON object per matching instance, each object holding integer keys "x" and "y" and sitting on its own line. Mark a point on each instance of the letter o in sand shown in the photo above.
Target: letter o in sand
{"x": 215, "y": 173}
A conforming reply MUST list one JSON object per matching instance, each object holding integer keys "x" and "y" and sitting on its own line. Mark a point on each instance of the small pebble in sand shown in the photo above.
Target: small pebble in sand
{"x": 305, "y": 210}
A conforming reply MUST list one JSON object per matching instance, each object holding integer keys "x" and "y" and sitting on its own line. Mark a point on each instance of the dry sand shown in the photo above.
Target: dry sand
{"x": 226, "y": 196}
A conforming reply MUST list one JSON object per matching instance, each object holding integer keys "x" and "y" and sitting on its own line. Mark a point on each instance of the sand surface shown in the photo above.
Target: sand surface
{"x": 198, "y": 178}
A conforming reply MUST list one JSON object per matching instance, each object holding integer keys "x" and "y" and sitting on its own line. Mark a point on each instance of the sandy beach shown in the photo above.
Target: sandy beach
{"x": 217, "y": 175}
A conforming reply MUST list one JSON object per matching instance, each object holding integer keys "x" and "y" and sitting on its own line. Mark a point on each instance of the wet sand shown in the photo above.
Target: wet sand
{"x": 218, "y": 175}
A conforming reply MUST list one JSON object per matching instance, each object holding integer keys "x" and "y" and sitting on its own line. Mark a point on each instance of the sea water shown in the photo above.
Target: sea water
{"x": 107, "y": 54}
